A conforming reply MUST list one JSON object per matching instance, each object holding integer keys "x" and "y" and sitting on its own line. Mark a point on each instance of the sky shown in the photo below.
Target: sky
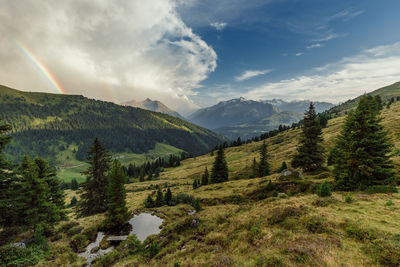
{"x": 194, "y": 53}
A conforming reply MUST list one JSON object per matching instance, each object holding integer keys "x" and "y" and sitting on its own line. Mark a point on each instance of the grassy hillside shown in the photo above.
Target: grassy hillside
{"x": 237, "y": 228}
{"x": 48, "y": 124}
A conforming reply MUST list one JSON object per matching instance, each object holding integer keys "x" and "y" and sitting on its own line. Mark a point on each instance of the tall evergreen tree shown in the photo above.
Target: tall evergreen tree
{"x": 282, "y": 167}
{"x": 10, "y": 186}
{"x": 38, "y": 210}
{"x": 93, "y": 197}
{"x": 254, "y": 168}
{"x": 168, "y": 197}
{"x": 263, "y": 166}
{"x": 310, "y": 153}
{"x": 205, "y": 178}
{"x": 55, "y": 194}
{"x": 219, "y": 172}
{"x": 74, "y": 184}
{"x": 117, "y": 212}
{"x": 363, "y": 149}
{"x": 159, "y": 198}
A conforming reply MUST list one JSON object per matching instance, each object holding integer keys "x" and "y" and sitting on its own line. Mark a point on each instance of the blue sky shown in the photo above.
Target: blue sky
{"x": 285, "y": 39}
{"x": 193, "y": 53}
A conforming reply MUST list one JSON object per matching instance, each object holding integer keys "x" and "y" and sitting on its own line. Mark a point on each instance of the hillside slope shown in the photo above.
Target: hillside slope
{"x": 45, "y": 124}
{"x": 238, "y": 227}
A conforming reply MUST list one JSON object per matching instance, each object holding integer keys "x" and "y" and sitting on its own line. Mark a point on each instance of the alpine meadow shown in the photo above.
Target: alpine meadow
{"x": 199, "y": 133}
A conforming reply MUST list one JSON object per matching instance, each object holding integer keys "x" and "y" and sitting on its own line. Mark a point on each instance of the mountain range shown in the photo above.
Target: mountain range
{"x": 248, "y": 118}
{"x": 153, "y": 105}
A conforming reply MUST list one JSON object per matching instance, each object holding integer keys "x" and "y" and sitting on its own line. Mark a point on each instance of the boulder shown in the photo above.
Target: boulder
{"x": 290, "y": 174}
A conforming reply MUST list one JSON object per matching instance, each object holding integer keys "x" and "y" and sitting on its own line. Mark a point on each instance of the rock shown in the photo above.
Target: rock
{"x": 19, "y": 245}
{"x": 290, "y": 174}
{"x": 195, "y": 223}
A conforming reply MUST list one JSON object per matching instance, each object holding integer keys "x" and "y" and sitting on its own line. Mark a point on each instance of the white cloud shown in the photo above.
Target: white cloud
{"x": 317, "y": 45}
{"x": 339, "y": 81}
{"x": 112, "y": 50}
{"x": 346, "y": 15}
{"x": 329, "y": 36}
{"x": 219, "y": 26}
{"x": 299, "y": 54}
{"x": 248, "y": 74}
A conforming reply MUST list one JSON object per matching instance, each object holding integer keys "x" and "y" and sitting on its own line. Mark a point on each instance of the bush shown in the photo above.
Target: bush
{"x": 381, "y": 189}
{"x": 254, "y": 234}
{"x": 389, "y": 203}
{"x": 196, "y": 204}
{"x": 386, "y": 251}
{"x": 316, "y": 224}
{"x": 348, "y": 198}
{"x": 90, "y": 233}
{"x": 359, "y": 233}
{"x": 153, "y": 249}
{"x": 133, "y": 245}
{"x": 75, "y": 230}
{"x": 15, "y": 256}
{"x": 79, "y": 242}
{"x": 324, "y": 190}
{"x": 107, "y": 260}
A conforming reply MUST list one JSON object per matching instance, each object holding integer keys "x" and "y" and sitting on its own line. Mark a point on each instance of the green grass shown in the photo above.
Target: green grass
{"x": 70, "y": 168}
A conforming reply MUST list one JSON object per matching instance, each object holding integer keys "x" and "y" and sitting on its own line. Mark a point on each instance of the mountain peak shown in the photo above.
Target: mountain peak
{"x": 153, "y": 105}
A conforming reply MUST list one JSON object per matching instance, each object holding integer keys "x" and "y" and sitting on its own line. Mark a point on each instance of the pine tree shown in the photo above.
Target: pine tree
{"x": 55, "y": 195}
{"x": 74, "y": 184}
{"x": 11, "y": 209}
{"x": 310, "y": 152}
{"x": 282, "y": 167}
{"x": 195, "y": 185}
{"x": 168, "y": 197}
{"x": 117, "y": 212}
{"x": 159, "y": 198}
{"x": 39, "y": 212}
{"x": 363, "y": 149}
{"x": 263, "y": 166}
{"x": 219, "y": 172}
{"x": 205, "y": 178}
{"x": 149, "y": 203}
{"x": 93, "y": 197}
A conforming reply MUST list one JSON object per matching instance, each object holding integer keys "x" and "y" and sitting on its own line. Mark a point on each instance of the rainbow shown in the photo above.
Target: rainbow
{"x": 42, "y": 68}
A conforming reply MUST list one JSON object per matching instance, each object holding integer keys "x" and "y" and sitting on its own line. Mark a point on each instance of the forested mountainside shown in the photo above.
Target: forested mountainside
{"x": 43, "y": 124}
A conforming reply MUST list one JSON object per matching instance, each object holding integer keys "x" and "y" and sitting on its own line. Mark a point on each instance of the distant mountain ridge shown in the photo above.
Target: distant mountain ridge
{"x": 231, "y": 112}
{"x": 248, "y": 118}
{"x": 153, "y": 105}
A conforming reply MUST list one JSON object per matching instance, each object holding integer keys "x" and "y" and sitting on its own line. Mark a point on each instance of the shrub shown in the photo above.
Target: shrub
{"x": 133, "y": 245}
{"x": 254, "y": 234}
{"x": 324, "y": 190}
{"x": 107, "y": 260}
{"x": 316, "y": 224}
{"x": 348, "y": 198}
{"x": 79, "y": 242}
{"x": 362, "y": 234}
{"x": 386, "y": 251}
{"x": 196, "y": 204}
{"x": 389, "y": 203}
{"x": 153, "y": 249}
{"x": 15, "y": 256}
{"x": 75, "y": 230}
{"x": 90, "y": 233}
{"x": 381, "y": 189}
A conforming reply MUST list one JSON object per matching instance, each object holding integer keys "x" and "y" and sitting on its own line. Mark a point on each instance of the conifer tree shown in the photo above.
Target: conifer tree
{"x": 93, "y": 197}
{"x": 310, "y": 152}
{"x": 159, "y": 198}
{"x": 263, "y": 166}
{"x": 149, "y": 203}
{"x": 282, "y": 167}
{"x": 195, "y": 185}
{"x": 38, "y": 211}
{"x": 55, "y": 194}
{"x": 205, "y": 178}
{"x": 363, "y": 149}
{"x": 74, "y": 184}
{"x": 219, "y": 172}
{"x": 10, "y": 187}
{"x": 168, "y": 197}
{"x": 117, "y": 212}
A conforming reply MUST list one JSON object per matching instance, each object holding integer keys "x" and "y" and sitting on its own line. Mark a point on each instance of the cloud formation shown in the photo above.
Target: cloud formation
{"x": 248, "y": 74}
{"x": 347, "y": 78}
{"x": 112, "y": 50}
{"x": 317, "y": 45}
{"x": 219, "y": 26}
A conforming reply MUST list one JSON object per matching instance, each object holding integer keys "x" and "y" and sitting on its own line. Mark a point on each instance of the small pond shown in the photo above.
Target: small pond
{"x": 142, "y": 225}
